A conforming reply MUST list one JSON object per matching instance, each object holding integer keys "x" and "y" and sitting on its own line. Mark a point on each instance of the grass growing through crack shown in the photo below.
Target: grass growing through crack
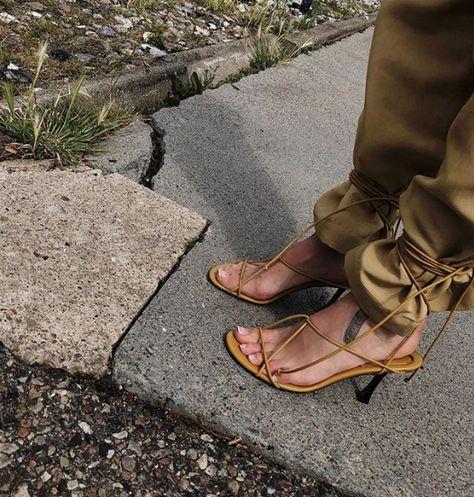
{"x": 196, "y": 85}
{"x": 65, "y": 129}
{"x": 268, "y": 51}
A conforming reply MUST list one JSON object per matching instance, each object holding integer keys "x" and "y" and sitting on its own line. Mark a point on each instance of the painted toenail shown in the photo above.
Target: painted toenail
{"x": 222, "y": 273}
{"x": 243, "y": 347}
{"x": 252, "y": 357}
{"x": 242, "y": 331}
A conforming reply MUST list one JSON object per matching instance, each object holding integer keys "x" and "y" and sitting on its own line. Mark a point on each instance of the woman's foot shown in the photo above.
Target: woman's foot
{"x": 311, "y": 256}
{"x": 308, "y": 346}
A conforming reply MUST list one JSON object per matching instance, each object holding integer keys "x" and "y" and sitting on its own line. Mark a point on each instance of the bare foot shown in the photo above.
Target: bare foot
{"x": 311, "y": 256}
{"x": 308, "y": 346}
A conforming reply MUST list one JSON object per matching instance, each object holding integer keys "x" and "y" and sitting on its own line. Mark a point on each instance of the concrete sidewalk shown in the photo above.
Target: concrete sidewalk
{"x": 252, "y": 158}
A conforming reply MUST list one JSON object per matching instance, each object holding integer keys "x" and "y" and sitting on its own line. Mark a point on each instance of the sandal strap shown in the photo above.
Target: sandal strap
{"x": 311, "y": 276}
{"x": 350, "y": 336}
{"x": 408, "y": 250}
{"x": 360, "y": 317}
{"x": 369, "y": 191}
{"x": 372, "y": 195}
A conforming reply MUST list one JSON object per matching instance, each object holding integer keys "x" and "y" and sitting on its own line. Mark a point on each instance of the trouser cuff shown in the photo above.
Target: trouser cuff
{"x": 381, "y": 284}
{"x": 354, "y": 226}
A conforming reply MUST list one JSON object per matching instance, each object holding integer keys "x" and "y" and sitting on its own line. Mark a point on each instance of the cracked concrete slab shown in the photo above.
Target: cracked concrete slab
{"x": 252, "y": 158}
{"x": 80, "y": 255}
{"x": 127, "y": 151}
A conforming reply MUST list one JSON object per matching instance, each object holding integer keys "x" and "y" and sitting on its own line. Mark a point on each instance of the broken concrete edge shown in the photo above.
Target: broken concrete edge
{"x": 190, "y": 245}
{"x": 142, "y": 89}
{"x": 225, "y": 432}
{"x": 106, "y": 375}
{"x": 188, "y": 229}
{"x": 141, "y": 162}
{"x": 127, "y": 151}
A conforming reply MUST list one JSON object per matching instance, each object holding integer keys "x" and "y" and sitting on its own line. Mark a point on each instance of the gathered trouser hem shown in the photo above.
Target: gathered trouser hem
{"x": 414, "y": 146}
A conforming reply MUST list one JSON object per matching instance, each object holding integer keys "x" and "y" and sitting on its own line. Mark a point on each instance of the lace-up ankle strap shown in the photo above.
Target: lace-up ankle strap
{"x": 371, "y": 193}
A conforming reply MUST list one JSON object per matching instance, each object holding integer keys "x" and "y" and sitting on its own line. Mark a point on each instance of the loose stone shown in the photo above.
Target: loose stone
{"x": 211, "y": 470}
{"x": 85, "y": 428}
{"x": 72, "y": 484}
{"x": 234, "y": 487}
{"x": 8, "y": 448}
{"x": 4, "y": 461}
{"x": 202, "y": 462}
{"x": 129, "y": 463}
{"x": 106, "y": 31}
{"x": 121, "y": 435}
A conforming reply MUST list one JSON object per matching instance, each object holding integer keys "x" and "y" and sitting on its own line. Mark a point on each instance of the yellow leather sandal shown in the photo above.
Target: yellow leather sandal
{"x": 408, "y": 364}
{"x": 314, "y": 281}
{"x": 372, "y": 195}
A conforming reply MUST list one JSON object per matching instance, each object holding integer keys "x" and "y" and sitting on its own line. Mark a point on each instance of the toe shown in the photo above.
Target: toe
{"x": 228, "y": 276}
{"x": 250, "y": 348}
{"x": 246, "y": 335}
{"x": 256, "y": 359}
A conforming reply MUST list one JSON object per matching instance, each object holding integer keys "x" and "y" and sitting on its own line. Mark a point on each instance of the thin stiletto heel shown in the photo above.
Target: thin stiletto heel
{"x": 365, "y": 394}
{"x": 335, "y": 297}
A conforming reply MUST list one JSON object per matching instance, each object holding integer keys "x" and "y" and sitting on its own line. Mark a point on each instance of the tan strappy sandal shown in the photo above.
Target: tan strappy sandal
{"x": 371, "y": 194}
{"x": 408, "y": 364}
{"x": 314, "y": 281}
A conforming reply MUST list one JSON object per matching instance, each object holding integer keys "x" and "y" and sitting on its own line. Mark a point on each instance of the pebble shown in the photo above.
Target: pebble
{"x": 183, "y": 484}
{"x": 206, "y": 437}
{"x": 8, "y": 448}
{"x": 7, "y": 18}
{"x": 202, "y": 462}
{"x": 72, "y": 484}
{"x": 34, "y": 6}
{"x": 38, "y": 407}
{"x": 234, "y": 487}
{"x": 4, "y": 461}
{"x": 45, "y": 477}
{"x": 64, "y": 462}
{"x": 84, "y": 57}
{"x": 22, "y": 491}
{"x": 106, "y": 31}
{"x": 201, "y": 31}
{"x": 135, "y": 447}
{"x": 129, "y": 463}
{"x": 85, "y": 428}
{"x": 192, "y": 454}
{"x": 39, "y": 440}
{"x": 151, "y": 50}
{"x": 121, "y": 435}
{"x": 211, "y": 470}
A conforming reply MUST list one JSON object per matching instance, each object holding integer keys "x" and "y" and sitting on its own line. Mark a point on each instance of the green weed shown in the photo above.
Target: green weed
{"x": 65, "y": 129}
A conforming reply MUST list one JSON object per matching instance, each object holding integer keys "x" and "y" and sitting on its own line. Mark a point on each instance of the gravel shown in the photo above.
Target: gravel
{"x": 66, "y": 436}
{"x": 105, "y": 36}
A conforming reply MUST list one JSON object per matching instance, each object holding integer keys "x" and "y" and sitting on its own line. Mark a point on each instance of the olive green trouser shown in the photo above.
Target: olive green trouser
{"x": 415, "y": 142}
